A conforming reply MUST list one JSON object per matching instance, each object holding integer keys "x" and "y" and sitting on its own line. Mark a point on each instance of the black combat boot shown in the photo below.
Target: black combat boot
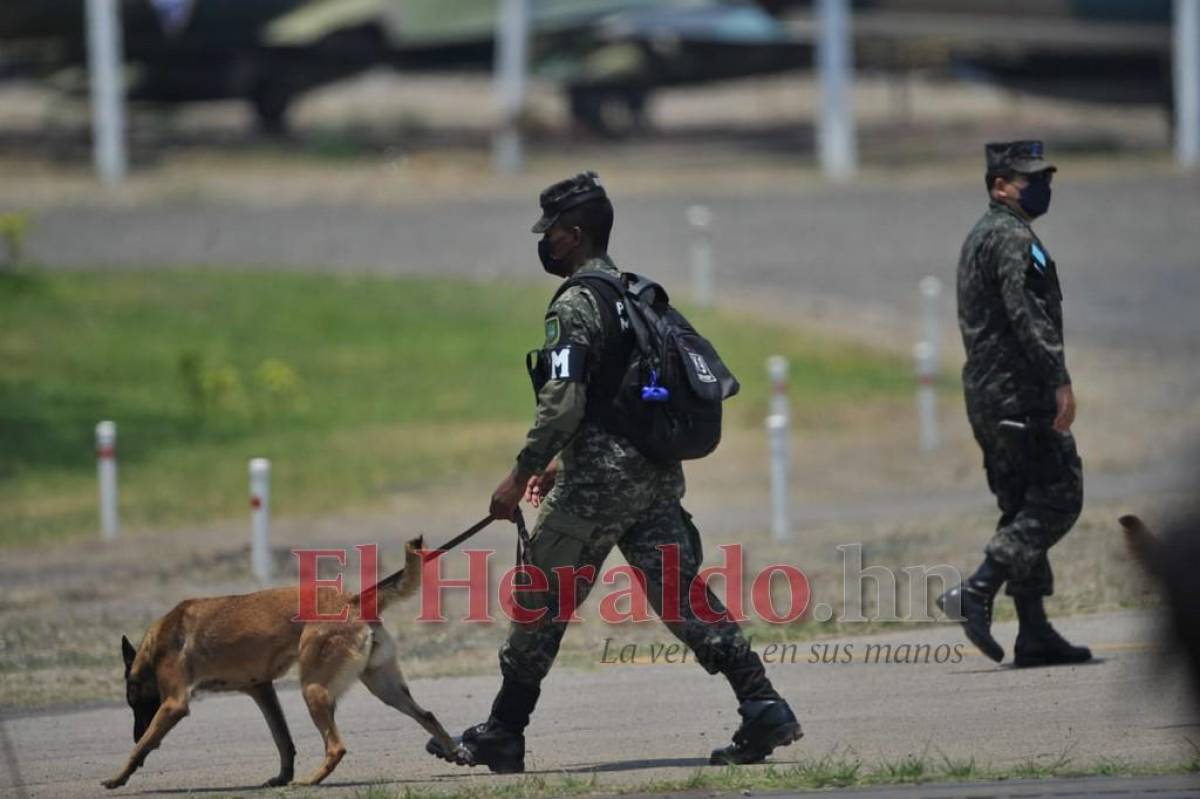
{"x": 972, "y": 602}
{"x": 1038, "y": 643}
{"x": 766, "y": 724}
{"x": 499, "y": 742}
{"x": 767, "y": 721}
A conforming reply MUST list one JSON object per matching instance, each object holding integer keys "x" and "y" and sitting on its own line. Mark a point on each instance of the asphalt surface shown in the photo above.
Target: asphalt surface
{"x": 1127, "y": 244}
{"x": 636, "y": 723}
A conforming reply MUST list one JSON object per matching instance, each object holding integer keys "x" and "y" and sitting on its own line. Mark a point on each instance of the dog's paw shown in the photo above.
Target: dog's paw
{"x": 115, "y": 782}
{"x": 277, "y": 781}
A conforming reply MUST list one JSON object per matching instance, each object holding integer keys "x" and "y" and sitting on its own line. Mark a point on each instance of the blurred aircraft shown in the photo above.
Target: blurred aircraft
{"x": 1092, "y": 50}
{"x": 175, "y": 51}
{"x": 608, "y": 54}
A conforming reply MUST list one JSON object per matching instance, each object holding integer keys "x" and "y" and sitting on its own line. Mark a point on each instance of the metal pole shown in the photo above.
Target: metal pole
{"x": 779, "y": 425}
{"x": 106, "y": 472}
{"x": 700, "y": 218}
{"x": 260, "y": 510}
{"x": 1186, "y": 58}
{"x": 835, "y": 69}
{"x": 927, "y": 355}
{"x": 108, "y": 102}
{"x": 511, "y": 64}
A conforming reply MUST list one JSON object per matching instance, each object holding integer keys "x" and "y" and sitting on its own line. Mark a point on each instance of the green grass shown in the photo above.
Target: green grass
{"x": 355, "y": 387}
{"x": 831, "y": 771}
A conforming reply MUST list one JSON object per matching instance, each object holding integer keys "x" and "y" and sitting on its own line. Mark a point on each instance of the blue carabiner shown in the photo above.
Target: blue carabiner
{"x": 654, "y": 392}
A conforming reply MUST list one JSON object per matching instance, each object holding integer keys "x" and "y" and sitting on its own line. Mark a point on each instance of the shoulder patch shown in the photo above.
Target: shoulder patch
{"x": 1039, "y": 257}
{"x": 553, "y": 330}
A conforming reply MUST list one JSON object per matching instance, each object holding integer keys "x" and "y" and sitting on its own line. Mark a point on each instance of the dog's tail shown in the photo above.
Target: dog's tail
{"x": 402, "y": 583}
{"x": 1143, "y": 544}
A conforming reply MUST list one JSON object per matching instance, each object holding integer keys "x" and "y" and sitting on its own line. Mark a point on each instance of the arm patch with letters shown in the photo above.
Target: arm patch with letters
{"x": 566, "y": 362}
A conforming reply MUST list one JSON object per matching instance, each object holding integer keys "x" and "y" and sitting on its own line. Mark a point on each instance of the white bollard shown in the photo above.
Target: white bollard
{"x": 931, "y": 300}
{"x": 926, "y": 357}
{"x": 106, "y": 471}
{"x": 260, "y": 509}
{"x": 926, "y": 368}
{"x": 702, "y": 266}
{"x": 779, "y": 426}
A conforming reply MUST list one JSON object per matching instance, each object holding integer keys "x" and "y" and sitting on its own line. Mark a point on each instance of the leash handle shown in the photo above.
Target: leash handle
{"x": 523, "y": 540}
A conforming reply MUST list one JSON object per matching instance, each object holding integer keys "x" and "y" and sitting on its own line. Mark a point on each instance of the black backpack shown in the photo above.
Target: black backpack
{"x": 663, "y": 389}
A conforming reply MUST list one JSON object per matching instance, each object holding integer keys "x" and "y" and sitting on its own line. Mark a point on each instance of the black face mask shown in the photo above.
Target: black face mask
{"x": 1035, "y": 197}
{"x": 552, "y": 264}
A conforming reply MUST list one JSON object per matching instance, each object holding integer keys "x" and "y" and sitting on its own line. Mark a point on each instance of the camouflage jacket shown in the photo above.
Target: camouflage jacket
{"x": 575, "y": 340}
{"x": 1010, "y": 315}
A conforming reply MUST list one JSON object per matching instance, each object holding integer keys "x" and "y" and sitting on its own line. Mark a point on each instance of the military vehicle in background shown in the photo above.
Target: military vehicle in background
{"x": 1099, "y": 50}
{"x": 608, "y": 54}
{"x": 175, "y": 51}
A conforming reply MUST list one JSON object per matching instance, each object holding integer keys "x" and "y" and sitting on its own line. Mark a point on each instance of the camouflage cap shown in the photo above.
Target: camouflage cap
{"x": 1025, "y": 157}
{"x": 566, "y": 194}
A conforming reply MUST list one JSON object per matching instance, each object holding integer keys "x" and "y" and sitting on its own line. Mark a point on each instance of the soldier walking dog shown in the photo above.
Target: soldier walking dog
{"x": 606, "y": 494}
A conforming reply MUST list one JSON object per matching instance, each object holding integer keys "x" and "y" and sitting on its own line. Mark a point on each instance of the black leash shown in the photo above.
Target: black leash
{"x": 522, "y": 537}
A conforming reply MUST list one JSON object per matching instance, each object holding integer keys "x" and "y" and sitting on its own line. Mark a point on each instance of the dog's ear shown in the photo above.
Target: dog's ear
{"x": 415, "y": 544}
{"x": 1143, "y": 544}
{"x": 128, "y": 652}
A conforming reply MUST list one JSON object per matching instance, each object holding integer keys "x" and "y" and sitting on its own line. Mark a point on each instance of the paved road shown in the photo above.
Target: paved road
{"x": 1128, "y": 245}
{"x": 600, "y": 721}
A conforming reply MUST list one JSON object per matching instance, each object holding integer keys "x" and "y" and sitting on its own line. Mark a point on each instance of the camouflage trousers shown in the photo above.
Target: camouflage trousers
{"x": 1038, "y": 483}
{"x": 563, "y": 537}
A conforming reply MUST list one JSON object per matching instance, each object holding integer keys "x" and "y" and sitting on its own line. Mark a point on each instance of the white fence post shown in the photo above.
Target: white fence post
{"x": 106, "y": 471}
{"x": 108, "y": 91}
{"x": 837, "y": 147}
{"x": 260, "y": 505}
{"x": 1186, "y": 59}
{"x": 927, "y": 356}
{"x": 779, "y": 426}
{"x": 702, "y": 266}
{"x": 511, "y": 60}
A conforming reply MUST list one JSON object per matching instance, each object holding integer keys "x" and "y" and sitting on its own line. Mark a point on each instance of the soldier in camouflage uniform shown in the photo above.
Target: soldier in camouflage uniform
{"x": 600, "y": 493}
{"x": 1020, "y": 405}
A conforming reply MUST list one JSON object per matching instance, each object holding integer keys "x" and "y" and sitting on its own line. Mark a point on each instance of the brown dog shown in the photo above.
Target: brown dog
{"x": 246, "y": 642}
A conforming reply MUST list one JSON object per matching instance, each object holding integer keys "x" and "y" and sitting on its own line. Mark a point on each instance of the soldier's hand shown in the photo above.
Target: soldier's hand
{"x": 540, "y": 485}
{"x": 507, "y": 495}
{"x": 1065, "y": 399}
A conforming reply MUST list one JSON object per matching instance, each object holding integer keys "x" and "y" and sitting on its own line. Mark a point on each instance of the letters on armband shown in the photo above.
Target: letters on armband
{"x": 566, "y": 362}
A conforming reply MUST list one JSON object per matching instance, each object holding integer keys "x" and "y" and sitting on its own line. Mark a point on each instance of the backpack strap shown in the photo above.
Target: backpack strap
{"x": 607, "y": 290}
